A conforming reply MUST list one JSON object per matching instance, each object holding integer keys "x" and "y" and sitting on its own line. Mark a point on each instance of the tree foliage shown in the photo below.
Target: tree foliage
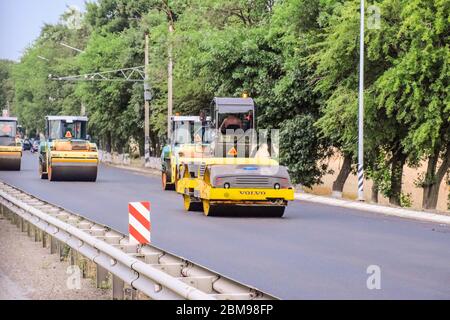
{"x": 6, "y": 83}
{"x": 297, "y": 58}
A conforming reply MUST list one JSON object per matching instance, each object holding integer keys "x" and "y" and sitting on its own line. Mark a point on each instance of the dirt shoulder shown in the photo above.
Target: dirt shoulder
{"x": 29, "y": 271}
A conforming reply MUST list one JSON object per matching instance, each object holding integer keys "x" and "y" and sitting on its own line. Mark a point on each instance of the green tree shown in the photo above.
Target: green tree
{"x": 6, "y": 83}
{"x": 300, "y": 147}
{"x": 415, "y": 90}
{"x": 336, "y": 61}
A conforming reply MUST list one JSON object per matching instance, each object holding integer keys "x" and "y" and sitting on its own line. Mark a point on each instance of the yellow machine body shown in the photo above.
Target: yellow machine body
{"x": 199, "y": 193}
{"x": 10, "y": 158}
{"x": 10, "y": 145}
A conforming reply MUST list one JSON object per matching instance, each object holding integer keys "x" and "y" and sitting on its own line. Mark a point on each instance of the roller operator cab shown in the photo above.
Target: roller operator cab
{"x": 67, "y": 154}
{"x": 234, "y": 122}
{"x": 10, "y": 145}
{"x": 232, "y": 114}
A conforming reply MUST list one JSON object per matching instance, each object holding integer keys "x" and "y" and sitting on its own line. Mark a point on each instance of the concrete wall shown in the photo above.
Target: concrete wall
{"x": 125, "y": 160}
{"x": 409, "y": 176}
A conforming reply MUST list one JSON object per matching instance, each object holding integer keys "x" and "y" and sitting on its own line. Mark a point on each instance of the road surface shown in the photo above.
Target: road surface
{"x": 314, "y": 252}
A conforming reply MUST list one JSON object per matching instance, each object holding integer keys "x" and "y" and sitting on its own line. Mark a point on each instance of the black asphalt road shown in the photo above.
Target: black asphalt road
{"x": 315, "y": 251}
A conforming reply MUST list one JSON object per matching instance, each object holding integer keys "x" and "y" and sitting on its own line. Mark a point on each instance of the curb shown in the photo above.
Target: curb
{"x": 389, "y": 211}
{"x": 130, "y": 168}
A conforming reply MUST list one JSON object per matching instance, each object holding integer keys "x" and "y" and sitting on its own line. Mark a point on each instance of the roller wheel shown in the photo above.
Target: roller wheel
{"x": 189, "y": 205}
{"x": 276, "y": 212}
{"x": 49, "y": 173}
{"x": 41, "y": 171}
{"x": 175, "y": 183}
{"x": 93, "y": 178}
{"x": 165, "y": 184}
{"x": 208, "y": 209}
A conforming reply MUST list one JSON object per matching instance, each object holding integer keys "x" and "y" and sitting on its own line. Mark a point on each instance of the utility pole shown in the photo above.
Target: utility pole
{"x": 361, "y": 110}
{"x": 170, "y": 83}
{"x": 147, "y": 98}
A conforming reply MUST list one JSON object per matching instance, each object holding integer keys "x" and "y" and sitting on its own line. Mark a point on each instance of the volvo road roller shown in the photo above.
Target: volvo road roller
{"x": 228, "y": 173}
{"x": 236, "y": 187}
{"x": 10, "y": 145}
{"x": 67, "y": 154}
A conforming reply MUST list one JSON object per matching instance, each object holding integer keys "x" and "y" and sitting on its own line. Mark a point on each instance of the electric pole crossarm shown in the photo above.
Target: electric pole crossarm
{"x": 134, "y": 74}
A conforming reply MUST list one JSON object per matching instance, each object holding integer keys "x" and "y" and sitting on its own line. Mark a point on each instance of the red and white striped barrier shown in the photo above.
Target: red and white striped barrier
{"x": 139, "y": 225}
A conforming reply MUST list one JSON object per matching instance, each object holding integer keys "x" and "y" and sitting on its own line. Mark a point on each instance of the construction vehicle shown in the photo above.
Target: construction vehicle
{"x": 10, "y": 145}
{"x": 67, "y": 154}
{"x": 225, "y": 173}
{"x": 185, "y": 130}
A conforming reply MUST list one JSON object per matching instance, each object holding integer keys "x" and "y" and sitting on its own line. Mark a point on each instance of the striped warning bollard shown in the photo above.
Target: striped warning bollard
{"x": 360, "y": 183}
{"x": 139, "y": 225}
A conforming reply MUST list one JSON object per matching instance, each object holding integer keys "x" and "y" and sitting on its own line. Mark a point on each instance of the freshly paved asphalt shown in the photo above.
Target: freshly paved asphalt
{"x": 313, "y": 252}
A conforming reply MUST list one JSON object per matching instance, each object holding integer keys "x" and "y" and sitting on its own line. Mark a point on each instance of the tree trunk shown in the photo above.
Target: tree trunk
{"x": 108, "y": 144}
{"x": 433, "y": 179}
{"x": 338, "y": 184}
{"x": 374, "y": 196}
{"x": 398, "y": 161}
{"x": 153, "y": 139}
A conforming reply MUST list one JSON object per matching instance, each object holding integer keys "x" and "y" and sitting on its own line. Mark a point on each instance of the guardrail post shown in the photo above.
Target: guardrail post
{"x": 82, "y": 264}
{"x": 17, "y": 220}
{"x": 6, "y": 213}
{"x": 53, "y": 245}
{"x": 11, "y": 216}
{"x": 22, "y": 225}
{"x": 117, "y": 288}
{"x": 36, "y": 234}
{"x": 62, "y": 250}
{"x": 101, "y": 276}
{"x": 130, "y": 293}
{"x": 29, "y": 229}
{"x": 72, "y": 256}
{"x": 44, "y": 239}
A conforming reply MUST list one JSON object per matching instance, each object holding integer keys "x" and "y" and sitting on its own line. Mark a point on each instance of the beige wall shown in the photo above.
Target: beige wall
{"x": 350, "y": 188}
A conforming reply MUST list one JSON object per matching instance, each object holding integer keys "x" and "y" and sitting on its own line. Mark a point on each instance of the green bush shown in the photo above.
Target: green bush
{"x": 301, "y": 149}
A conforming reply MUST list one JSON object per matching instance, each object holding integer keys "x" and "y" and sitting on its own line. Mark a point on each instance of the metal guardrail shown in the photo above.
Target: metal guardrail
{"x": 148, "y": 269}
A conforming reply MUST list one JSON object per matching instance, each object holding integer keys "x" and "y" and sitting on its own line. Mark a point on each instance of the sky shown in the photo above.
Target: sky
{"x": 21, "y": 22}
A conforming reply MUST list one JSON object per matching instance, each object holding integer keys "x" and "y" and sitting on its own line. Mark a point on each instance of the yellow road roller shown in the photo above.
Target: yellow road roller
{"x": 235, "y": 187}
{"x": 226, "y": 172}
{"x": 67, "y": 154}
{"x": 10, "y": 145}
